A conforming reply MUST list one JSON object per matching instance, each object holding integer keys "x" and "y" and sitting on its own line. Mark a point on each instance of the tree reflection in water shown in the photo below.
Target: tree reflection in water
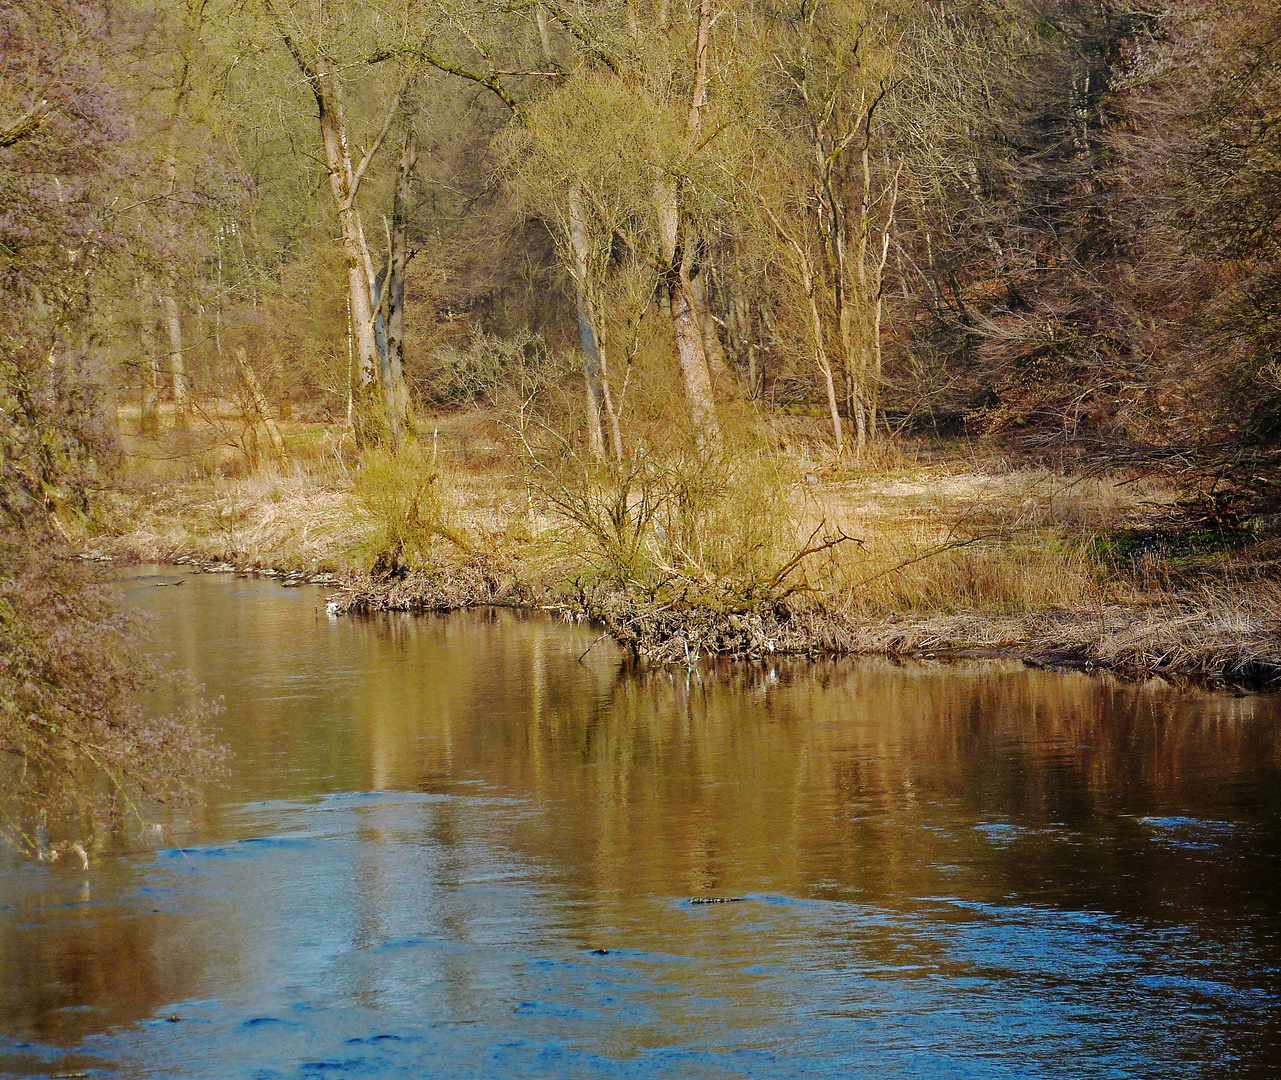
{"x": 971, "y": 863}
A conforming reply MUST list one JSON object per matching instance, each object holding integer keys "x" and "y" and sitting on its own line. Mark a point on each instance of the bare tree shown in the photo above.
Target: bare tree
{"x": 310, "y": 43}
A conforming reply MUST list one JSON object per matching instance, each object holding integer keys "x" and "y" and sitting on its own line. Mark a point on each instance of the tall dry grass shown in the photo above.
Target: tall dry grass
{"x": 933, "y": 536}
{"x": 996, "y": 574}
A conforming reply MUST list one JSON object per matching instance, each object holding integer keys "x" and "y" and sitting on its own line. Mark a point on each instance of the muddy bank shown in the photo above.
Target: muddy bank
{"x": 1233, "y": 639}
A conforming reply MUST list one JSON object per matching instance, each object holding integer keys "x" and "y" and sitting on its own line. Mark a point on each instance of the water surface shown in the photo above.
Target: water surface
{"x": 448, "y": 848}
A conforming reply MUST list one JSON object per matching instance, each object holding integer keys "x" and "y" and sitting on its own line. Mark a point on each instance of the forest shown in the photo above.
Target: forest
{"x": 734, "y": 326}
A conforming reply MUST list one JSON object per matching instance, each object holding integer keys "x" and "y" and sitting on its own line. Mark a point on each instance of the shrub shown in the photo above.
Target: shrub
{"x": 78, "y": 751}
{"x": 404, "y": 495}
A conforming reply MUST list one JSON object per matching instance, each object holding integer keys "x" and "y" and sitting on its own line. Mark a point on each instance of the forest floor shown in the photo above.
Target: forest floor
{"x": 958, "y": 550}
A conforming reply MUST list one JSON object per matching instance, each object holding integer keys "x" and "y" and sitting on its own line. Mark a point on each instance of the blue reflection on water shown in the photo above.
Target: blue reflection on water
{"x": 971, "y": 898}
{"x": 366, "y": 948}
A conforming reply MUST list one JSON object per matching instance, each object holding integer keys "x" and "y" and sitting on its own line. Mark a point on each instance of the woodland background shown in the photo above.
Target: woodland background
{"x": 1036, "y": 216}
{"x": 628, "y": 233}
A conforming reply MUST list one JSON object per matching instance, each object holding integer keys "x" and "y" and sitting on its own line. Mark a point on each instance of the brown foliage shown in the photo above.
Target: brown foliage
{"x": 78, "y": 750}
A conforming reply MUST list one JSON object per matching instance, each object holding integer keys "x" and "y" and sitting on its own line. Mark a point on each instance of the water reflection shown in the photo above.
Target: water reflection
{"x": 449, "y": 847}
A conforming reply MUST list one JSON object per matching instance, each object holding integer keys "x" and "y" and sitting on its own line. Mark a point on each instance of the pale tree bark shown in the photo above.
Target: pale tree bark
{"x": 544, "y": 36}
{"x": 149, "y": 415}
{"x": 600, "y": 408}
{"x": 397, "y": 262}
{"x": 344, "y": 182}
{"x": 723, "y": 380}
{"x": 173, "y": 326}
{"x": 743, "y": 339}
{"x": 675, "y": 240}
{"x": 700, "y": 401}
{"x": 615, "y": 428}
{"x": 805, "y": 271}
{"x": 878, "y": 285}
{"x": 850, "y": 239}
{"x": 193, "y": 18}
{"x": 588, "y": 338}
{"x": 338, "y": 163}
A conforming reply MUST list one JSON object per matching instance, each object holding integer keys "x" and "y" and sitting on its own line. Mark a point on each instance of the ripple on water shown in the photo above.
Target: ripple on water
{"x": 1189, "y": 833}
{"x": 928, "y": 873}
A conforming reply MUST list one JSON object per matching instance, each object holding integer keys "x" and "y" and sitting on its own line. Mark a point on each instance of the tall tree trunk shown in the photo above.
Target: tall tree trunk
{"x": 379, "y": 302}
{"x": 259, "y": 400}
{"x": 866, "y": 425}
{"x": 398, "y": 261}
{"x": 338, "y": 162}
{"x": 854, "y": 366}
{"x": 344, "y": 181}
{"x": 588, "y": 338}
{"x": 878, "y": 285}
{"x": 722, "y": 378}
{"x": 675, "y": 241}
{"x": 599, "y": 405}
{"x": 744, "y": 342}
{"x": 820, "y": 352}
{"x": 615, "y": 430}
{"x": 173, "y": 328}
{"x": 699, "y": 398}
{"x": 149, "y": 414}
{"x": 806, "y": 271}
{"x": 700, "y": 403}
{"x": 193, "y": 19}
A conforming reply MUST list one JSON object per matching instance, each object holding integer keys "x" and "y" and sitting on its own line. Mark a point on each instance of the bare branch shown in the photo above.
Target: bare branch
{"x": 26, "y": 125}
{"x": 359, "y": 174}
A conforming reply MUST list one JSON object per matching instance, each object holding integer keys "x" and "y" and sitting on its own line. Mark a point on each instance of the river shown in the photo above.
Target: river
{"x": 448, "y": 847}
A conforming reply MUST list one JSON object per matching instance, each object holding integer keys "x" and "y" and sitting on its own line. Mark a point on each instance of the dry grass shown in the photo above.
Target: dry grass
{"x": 956, "y": 555}
{"x": 294, "y": 520}
{"x": 934, "y": 536}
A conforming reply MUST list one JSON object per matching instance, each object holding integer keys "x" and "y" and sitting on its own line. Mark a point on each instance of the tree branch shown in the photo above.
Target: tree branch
{"x": 26, "y": 125}
{"x": 584, "y": 36}
{"x": 308, "y": 70}
{"x": 359, "y": 174}
{"x": 491, "y": 81}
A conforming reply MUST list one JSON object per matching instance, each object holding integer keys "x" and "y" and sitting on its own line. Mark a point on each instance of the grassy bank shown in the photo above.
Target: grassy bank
{"x": 927, "y": 551}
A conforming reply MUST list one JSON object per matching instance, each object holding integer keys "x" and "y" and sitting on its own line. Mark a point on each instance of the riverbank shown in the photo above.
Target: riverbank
{"x": 1229, "y": 637}
{"x": 928, "y": 553}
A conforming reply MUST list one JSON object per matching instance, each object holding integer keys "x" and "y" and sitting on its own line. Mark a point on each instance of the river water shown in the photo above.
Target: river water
{"x": 448, "y": 848}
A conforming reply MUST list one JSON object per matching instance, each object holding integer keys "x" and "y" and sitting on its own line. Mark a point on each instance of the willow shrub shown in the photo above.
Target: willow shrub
{"x": 79, "y": 751}
{"x": 404, "y": 496}
{"x": 711, "y": 526}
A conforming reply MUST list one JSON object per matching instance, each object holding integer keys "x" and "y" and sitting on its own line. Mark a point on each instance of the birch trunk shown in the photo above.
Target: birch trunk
{"x": 588, "y": 338}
